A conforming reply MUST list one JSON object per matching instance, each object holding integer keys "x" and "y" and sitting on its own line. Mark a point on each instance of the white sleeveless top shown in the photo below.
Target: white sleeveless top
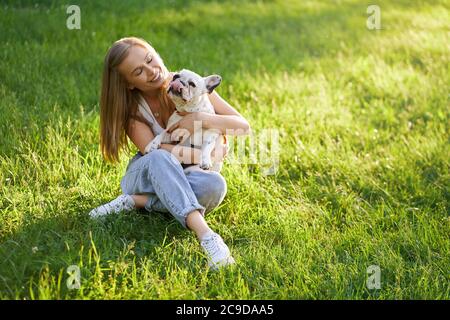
{"x": 146, "y": 112}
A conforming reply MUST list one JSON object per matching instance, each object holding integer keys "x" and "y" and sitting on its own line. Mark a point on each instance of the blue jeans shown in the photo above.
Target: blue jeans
{"x": 160, "y": 175}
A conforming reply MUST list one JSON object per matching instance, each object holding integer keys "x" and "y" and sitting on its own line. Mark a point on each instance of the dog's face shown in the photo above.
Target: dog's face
{"x": 186, "y": 86}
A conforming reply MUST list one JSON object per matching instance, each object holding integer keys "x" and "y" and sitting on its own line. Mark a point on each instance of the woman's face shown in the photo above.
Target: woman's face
{"x": 143, "y": 69}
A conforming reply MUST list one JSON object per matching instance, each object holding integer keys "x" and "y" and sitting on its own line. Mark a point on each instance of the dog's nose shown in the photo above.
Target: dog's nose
{"x": 177, "y": 85}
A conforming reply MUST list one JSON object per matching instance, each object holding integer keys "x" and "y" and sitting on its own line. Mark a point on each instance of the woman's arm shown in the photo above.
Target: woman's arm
{"x": 227, "y": 120}
{"x": 141, "y": 135}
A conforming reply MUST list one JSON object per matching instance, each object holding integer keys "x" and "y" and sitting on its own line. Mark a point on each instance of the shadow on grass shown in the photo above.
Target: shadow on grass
{"x": 53, "y": 244}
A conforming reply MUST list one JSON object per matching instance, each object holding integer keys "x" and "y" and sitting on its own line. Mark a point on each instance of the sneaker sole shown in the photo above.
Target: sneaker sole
{"x": 222, "y": 263}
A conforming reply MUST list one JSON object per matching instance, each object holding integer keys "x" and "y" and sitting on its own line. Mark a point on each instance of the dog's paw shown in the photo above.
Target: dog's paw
{"x": 206, "y": 164}
{"x": 153, "y": 145}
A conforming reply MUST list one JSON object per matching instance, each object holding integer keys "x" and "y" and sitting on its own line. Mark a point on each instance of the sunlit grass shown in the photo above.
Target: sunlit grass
{"x": 363, "y": 173}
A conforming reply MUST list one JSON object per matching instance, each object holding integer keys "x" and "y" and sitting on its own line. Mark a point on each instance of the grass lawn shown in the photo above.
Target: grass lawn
{"x": 363, "y": 172}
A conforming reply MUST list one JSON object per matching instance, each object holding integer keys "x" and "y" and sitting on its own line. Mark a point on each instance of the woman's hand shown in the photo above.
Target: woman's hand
{"x": 184, "y": 128}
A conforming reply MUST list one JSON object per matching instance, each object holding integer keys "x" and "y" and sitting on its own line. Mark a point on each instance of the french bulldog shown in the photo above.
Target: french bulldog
{"x": 188, "y": 91}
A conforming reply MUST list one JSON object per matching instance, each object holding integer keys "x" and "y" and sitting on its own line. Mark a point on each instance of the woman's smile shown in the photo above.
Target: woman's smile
{"x": 157, "y": 77}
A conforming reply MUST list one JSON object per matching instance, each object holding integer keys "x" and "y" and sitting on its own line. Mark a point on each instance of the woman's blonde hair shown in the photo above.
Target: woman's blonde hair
{"x": 118, "y": 103}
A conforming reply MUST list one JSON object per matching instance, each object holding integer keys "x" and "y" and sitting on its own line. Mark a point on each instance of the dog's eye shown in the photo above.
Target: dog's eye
{"x": 175, "y": 77}
{"x": 192, "y": 84}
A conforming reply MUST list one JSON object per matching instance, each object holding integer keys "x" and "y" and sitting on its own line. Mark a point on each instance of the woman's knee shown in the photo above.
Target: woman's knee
{"x": 213, "y": 191}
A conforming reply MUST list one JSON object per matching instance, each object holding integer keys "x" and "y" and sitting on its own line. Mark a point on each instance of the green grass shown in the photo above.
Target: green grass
{"x": 363, "y": 176}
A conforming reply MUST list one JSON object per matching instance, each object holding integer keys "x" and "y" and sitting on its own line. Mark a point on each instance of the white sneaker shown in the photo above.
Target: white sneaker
{"x": 218, "y": 252}
{"x": 123, "y": 202}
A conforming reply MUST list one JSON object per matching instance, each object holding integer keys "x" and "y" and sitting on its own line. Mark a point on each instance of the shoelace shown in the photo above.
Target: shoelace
{"x": 109, "y": 208}
{"x": 212, "y": 245}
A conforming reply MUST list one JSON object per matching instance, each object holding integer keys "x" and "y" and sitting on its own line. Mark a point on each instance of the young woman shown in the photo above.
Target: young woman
{"x": 134, "y": 104}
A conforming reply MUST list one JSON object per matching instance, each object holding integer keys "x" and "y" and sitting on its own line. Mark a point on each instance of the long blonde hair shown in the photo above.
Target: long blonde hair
{"x": 117, "y": 102}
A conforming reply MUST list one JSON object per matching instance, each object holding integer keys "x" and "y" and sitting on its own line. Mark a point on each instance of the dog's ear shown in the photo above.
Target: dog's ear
{"x": 212, "y": 82}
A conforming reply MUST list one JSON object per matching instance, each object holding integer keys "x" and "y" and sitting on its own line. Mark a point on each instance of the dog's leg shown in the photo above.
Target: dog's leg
{"x": 165, "y": 137}
{"x": 154, "y": 144}
{"x": 209, "y": 142}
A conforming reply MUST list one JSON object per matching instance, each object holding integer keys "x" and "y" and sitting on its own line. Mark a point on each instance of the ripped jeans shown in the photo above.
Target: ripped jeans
{"x": 160, "y": 175}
